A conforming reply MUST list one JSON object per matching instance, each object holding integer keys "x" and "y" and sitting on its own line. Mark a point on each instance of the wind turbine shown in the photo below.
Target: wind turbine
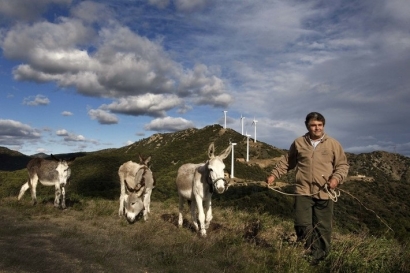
{"x": 242, "y": 118}
{"x": 254, "y": 123}
{"x": 225, "y": 118}
{"x": 233, "y": 145}
{"x": 247, "y": 146}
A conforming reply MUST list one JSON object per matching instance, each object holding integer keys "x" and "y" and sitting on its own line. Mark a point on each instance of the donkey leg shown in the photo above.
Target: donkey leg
{"x": 121, "y": 209}
{"x": 208, "y": 211}
{"x": 23, "y": 189}
{"x": 33, "y": 187}
{"x": 180, "y": 211}
{"x": 122, "y": 197}
{"x": 147, "y": 203}
{"x": 201, "y": 216}
{"x": 63, "y": 206}
{"x": 57, "y": 195}
{"x": 194, "y": 215}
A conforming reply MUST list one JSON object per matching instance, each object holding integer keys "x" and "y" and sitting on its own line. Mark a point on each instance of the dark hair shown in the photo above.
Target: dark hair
{"x": 315, "y": 116}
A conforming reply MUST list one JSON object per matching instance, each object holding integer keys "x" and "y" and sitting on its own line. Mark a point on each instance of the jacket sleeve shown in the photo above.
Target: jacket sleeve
{"x": 286, "y": 163}
{"x": 340, "y": 165}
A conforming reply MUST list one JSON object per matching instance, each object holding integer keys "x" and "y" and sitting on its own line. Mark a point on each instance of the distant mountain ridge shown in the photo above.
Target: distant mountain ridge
{"x": 12, "y": 160}
{"x": 40, "y": 155}
{"x": 190, "y": 145}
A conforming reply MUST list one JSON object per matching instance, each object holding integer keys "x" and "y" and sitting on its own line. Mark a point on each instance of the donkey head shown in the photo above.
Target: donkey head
{"x": 134, "y": 201}
{"x": 133, "y": 206}
{"x": 62, "y": 169}
{"x": 216, "y": 168}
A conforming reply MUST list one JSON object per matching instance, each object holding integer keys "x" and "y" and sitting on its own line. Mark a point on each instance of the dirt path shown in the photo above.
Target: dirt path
{"x": 61, "y": 244}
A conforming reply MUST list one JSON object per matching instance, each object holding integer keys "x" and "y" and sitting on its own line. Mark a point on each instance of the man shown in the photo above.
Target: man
{"x": 321, "y": 165}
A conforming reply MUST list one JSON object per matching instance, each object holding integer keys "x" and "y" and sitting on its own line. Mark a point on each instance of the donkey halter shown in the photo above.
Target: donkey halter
{"x": 141, "y": 183}
{"x": 212, "y": 183}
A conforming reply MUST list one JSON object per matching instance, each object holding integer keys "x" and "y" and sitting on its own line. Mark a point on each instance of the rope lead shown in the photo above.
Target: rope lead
{"x": 334, "y": 195}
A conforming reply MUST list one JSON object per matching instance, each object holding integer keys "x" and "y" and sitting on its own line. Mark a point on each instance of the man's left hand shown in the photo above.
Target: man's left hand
{"x": 333, "y": 183}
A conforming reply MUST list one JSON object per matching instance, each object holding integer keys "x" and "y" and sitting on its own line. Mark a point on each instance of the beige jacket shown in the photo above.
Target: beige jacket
{"x": 314, "y": 166}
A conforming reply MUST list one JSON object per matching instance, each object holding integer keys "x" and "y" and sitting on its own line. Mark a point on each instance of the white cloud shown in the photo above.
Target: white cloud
{"x": 48, "y": 47}
{"x": 123, "y": 64}
{"x": 103, "y": 117}
{"x": 15, "y": 133}
{"x": 148, "y": 104}
{"x": 71, "y": 137}
{"x": 62, "y": 132}
{"x": 42, "y": 150}
{"x": 129, "y": 142}
{"x": 27, "y": 9}
{"x": 66, "y": 113}
{"x": 169, "y": 124}
{"x": 91, "y": 12}
{"x": 36, "y": 101}
{"x": 75, "y": 138}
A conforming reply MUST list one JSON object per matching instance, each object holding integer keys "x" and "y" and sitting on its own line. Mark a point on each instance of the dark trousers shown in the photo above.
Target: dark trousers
{"x": 313, "y": 224}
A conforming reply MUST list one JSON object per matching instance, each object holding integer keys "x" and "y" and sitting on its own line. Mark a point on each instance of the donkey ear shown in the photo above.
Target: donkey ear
{"x": 226, "y": 152}
{"x": 147, "y": 160}
{"x": 211, "y": 150}
{"x": 54, "y": 158}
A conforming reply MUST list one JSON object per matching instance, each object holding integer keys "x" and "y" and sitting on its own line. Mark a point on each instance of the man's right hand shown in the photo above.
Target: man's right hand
{"x": 270, "y": 180}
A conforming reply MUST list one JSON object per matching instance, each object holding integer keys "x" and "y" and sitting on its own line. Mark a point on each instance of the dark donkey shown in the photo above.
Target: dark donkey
{"x": 55, "y": 172}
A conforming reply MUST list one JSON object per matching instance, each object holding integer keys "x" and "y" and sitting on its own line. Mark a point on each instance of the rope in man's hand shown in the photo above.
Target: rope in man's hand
{"x": 334, "y": 194}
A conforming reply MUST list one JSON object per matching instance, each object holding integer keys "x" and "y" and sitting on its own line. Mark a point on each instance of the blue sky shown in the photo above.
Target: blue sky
{"x": 85, "y": 76}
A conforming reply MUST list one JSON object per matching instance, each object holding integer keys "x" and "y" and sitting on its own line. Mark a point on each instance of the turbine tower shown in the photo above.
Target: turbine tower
{"x": 233, "y": 145}
{"x": 225, "y": 118}
{"x": 254, "y": 124}
{"x": 242, "y": 118}
{"x": 247, "y": 146}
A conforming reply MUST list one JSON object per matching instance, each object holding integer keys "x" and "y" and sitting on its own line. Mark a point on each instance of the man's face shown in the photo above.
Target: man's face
{"x": 315, "y": 129}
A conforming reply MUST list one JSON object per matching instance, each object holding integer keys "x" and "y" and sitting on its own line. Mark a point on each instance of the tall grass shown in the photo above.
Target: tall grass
{"x": 90, "y": 236}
